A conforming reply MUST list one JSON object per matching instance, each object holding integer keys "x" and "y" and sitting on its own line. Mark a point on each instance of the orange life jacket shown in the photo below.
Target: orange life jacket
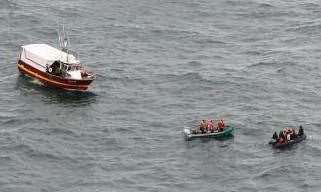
{"x": 221, "y": 124}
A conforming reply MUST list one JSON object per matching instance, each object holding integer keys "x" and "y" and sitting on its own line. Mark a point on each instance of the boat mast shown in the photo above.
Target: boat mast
{"x": 59, "y": 36}
{"x": 63, "y": 41}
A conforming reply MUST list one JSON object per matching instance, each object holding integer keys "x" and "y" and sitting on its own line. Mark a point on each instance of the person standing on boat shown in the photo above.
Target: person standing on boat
{"x": 301, "y": 132}
{"x": 275, "y": 136}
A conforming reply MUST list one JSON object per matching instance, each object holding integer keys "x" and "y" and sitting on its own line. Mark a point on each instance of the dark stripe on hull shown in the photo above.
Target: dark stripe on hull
{"x": 51, "y": 80}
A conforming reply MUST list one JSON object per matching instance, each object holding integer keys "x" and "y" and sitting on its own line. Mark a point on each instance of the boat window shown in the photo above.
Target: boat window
{"x": 54, "y": 68}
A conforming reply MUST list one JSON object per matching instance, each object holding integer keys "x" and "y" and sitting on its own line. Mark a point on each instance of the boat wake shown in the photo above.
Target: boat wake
{"x": 35, "y": 81}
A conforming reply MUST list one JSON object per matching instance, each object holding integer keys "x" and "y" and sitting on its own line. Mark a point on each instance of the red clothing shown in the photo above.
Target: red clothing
{"x": 210, "y": 126}
{"x": 221, "y": 124}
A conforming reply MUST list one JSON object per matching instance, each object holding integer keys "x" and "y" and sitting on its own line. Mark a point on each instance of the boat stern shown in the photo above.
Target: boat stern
{"x": 187, "y": 133}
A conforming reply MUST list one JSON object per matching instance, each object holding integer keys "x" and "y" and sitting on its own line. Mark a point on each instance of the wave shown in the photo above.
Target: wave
{"x": 267, "y": 13}
{"x": 185, "y": 76}
{"x": 125, "y": 79}
{"x": 7, "y": 77}
{"x": 7, "y": 4}
{"x": 174, "y": 32}
{"x": 280, "y": 171}
{"x": 252, "y": 4}
{"x": 209, "y": 41}
{"x": 4, "y": 158}
{"x": 255, "y": 53}
{"x": 61, "y": 131}
{"x": 262, "y": 64}
{"x": 306, "y": 28}
{"x": 271, "y": 64}
{"x": 126, "y": 130}
{"x": 266, "y": 5}
{"x": 38, "y": 154}
{"x": 14, "y": 121}
{"x": 128, "y": 25}
{"x": 194, "y": 63}
{"x": 310, "y": 6}
{"x": 196, "y": 81}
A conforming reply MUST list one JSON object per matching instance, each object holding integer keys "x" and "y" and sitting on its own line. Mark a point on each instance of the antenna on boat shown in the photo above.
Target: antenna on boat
{"x": 63, "y": 41}
{"x": 58, "y": 33}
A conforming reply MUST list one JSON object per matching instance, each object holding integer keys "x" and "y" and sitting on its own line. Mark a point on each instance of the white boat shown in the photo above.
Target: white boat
{"x": 59, "y": 68}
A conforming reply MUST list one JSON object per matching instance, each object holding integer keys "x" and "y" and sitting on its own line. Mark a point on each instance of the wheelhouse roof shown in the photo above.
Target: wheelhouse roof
{"x": 49, "y": 53}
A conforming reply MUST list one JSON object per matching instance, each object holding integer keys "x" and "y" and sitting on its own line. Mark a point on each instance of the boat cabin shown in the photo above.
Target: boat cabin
{"x": 63, "y": 63}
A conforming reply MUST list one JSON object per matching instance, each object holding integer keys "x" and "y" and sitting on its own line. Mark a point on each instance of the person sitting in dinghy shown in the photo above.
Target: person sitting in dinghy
{"x": 293, "y": 134}
{"x": 290, "y": 134}
{"x": 210, "y": 126}
{"x": 221, "y": 125}
{"x": 203, "y": 126}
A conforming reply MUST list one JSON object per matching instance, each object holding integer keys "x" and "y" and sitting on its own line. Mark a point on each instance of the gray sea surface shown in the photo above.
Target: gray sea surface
{"x": 162, "y": 65}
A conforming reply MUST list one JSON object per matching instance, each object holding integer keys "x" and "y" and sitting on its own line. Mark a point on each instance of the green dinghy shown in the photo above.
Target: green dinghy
{"x": 193, "y": 133}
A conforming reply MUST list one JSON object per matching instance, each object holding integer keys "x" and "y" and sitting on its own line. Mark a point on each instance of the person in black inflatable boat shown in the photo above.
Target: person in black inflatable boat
{"x": 289, "y": 134}
{"x": 281, "y": 138}
{"x": 275, "y": 136}
{"x": 301, "y": 132}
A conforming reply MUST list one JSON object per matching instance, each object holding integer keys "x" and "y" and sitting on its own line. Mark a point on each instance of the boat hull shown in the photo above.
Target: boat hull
{"x": 52, "y": 80}
{"x": 289, "y": 143}
{"x": 225, "y": 133}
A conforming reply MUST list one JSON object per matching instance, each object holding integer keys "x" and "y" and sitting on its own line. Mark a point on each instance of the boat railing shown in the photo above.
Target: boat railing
{"x": 71, "y": 52}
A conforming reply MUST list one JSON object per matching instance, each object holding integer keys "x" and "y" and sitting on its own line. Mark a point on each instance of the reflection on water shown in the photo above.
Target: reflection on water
{"x": 31, "y": 87}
